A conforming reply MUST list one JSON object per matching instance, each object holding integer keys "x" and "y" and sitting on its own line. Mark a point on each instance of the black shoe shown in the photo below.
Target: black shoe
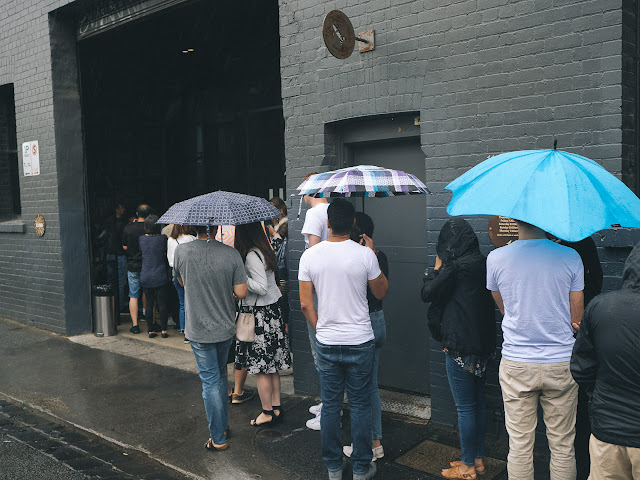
{"x": 135, "y": 329}
{"x": 165, "y": 335}
{"x": 152, "y": 335}
{"x": 242, "y": 397}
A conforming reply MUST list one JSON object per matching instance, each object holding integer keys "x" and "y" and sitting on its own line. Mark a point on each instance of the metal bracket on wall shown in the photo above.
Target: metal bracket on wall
{"x": 366, "y": 41}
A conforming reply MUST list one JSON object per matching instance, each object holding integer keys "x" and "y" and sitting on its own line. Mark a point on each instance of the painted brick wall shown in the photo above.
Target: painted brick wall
{"x": 487, "y": 77}
{"x": 31, "y": 267}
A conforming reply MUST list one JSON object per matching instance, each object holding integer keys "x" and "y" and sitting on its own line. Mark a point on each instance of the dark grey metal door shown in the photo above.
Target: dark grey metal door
{"x": 401, "y": 232}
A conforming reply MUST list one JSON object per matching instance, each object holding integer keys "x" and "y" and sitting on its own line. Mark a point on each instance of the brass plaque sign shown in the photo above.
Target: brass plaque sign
{"x": 502, "y": 230}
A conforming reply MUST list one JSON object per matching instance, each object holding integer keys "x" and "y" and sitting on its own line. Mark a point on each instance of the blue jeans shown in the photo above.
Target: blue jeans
{"x": 180, "y": 290}
{"x": 347, "y": 366}
{"x": 312, "y": 334}
{"x": 468, "y": 393}
{"x": 119, "y": 278}
{"x": 212, "y": 368}
{"x": 380, "y": 332}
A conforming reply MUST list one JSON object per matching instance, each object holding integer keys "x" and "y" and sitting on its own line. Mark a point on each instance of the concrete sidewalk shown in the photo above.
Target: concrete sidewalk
{"x": 158, "y": 410}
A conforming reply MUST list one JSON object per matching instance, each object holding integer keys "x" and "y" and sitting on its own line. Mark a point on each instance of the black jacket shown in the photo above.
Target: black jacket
{"x": 606, "y": 359}
{"x": 458, "y": 293}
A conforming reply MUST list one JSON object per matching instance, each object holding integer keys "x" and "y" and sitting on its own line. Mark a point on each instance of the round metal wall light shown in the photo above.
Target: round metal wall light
{"x": 338, "y": 34}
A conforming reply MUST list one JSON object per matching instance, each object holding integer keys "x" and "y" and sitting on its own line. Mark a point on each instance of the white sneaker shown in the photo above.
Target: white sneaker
{"x": 315, "y": 409}
{"x": 314, "y": 423}
{"x": 378, "y": 452}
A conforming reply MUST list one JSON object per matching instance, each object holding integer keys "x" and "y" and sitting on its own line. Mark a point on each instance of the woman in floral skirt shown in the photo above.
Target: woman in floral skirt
{"x": 269, "y": 353}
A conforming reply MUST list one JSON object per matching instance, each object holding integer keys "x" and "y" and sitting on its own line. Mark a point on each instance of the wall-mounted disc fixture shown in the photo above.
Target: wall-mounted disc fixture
{"x": 338, "y": 34}
{"x": 39, "y": 225}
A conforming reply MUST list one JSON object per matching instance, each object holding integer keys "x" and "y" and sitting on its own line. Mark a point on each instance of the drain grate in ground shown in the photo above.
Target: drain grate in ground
{"x": 432, "y": 457}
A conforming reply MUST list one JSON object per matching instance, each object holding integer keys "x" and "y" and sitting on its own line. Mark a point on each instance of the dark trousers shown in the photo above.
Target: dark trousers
{"x": 159, "y": 296}
{"x": 583, "y": 432}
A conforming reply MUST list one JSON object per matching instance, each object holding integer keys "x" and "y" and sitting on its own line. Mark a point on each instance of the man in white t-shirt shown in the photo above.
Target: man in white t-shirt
{"x": 315, "y": 230}
{"x": 339, "y": 270}
{"x": 538, "y": 286}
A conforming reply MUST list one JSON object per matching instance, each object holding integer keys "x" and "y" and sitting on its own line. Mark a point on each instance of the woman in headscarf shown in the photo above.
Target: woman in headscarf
{"x": 462, "y": 317}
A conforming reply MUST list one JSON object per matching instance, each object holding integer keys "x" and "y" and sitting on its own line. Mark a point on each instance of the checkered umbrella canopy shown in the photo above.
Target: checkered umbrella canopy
{"x": 362, "y": 181}
{"x": 220, "y": 208}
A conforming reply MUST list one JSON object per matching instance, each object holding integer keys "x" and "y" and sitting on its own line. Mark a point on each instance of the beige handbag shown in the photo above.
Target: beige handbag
{"x": 246, "y": 321}
{"x": 245, "y": 326}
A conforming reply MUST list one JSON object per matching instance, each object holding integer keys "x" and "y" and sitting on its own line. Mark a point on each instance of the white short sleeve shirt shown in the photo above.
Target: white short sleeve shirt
{"x": 315, "y": 223}
{"x": 340, "y": 272}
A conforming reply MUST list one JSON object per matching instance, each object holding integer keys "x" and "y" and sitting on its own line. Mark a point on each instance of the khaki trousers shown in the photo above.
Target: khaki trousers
{"x": 613, "y": 462}
{"x": 524, "y": 385}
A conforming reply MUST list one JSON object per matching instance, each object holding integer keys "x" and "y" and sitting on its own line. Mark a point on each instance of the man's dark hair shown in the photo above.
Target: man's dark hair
{"x": 341, "y": 214}
{"x": 151, "y": 225}
{"x": 364, "y": 224}
{"x": 213, "y": 229}
{"x": 144, "y": 210}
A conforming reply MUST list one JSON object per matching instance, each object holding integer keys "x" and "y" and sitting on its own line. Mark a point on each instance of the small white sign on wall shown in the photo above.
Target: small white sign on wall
{"x": 31, "y": 158}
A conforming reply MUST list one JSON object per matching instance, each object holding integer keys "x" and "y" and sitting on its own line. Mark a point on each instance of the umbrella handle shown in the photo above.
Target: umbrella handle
{"x": 300, "y": 207}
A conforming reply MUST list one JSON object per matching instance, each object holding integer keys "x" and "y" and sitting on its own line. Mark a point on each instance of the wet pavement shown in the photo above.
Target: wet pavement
{"x": 36, "y": 446}
{"x": 154, "y": 413}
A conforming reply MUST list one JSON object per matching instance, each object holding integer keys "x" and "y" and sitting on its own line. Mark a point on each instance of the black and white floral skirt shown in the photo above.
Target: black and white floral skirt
{"x": 269, "y": 352}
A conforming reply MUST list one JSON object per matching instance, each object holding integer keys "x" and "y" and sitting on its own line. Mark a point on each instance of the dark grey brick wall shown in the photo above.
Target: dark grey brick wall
{"x": 630, "y": 164}
{"x": 32, "y": 288}
{"x": 487, "y": 77}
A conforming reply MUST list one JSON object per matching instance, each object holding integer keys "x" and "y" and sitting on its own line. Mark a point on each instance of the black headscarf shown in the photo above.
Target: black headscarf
{"x": 456, "y": 239}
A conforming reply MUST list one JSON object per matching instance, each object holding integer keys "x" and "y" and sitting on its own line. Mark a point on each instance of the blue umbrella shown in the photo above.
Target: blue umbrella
{"x": 564, "y": 194}
{"x": 220, "y": 208}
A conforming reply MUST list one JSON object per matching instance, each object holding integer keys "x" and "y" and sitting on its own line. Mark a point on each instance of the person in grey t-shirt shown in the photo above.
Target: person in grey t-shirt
{"x": 211, "y": 274}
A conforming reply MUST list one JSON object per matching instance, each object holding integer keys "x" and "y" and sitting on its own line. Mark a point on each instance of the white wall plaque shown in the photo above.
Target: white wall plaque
{"x": 31, "y": 158}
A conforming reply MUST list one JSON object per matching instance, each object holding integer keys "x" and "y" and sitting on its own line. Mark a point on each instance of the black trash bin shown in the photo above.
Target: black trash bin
{"x": 104, "y": 310}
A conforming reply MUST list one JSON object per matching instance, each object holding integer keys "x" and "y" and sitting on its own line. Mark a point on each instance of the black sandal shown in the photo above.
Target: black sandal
{"x": 254, "y": 422}
{"x": 280, "y": 416}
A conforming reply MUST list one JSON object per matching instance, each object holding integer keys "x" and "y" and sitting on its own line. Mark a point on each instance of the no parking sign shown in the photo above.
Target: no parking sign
{"x": 31, "y": 158}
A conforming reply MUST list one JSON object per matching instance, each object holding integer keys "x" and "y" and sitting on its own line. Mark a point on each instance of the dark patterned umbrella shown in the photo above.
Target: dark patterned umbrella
{"x": 220, "y": 208}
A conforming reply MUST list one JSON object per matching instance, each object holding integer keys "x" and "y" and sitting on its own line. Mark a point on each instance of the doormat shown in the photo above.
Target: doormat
{"x": 432, "y": 457}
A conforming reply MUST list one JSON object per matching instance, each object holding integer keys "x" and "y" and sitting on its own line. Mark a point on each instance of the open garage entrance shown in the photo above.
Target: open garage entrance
{"x": 179, "y": 103}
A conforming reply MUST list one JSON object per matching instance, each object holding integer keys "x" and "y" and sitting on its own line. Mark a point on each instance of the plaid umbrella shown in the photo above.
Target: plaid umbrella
{"x": 362, "y": 181}
{"x": 220, "y": 208}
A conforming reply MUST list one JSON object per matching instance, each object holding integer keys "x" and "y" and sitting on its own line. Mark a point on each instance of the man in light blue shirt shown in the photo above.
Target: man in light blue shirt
{"x": 538, "y": 287}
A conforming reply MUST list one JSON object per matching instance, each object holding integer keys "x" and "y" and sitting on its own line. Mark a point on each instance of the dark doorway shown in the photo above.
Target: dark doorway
{"x": 181, "y": 103}
{"x": 9, "y": 182}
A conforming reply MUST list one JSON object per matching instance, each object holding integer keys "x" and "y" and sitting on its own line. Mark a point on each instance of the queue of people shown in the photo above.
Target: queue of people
{"x": 536, "y": 283}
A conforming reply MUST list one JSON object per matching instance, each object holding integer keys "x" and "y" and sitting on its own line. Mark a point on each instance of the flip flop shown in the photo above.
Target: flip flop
{"x": 454, "y": 472}
{"x": 480, "y": 468}
{"x": 209, "y": 445}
